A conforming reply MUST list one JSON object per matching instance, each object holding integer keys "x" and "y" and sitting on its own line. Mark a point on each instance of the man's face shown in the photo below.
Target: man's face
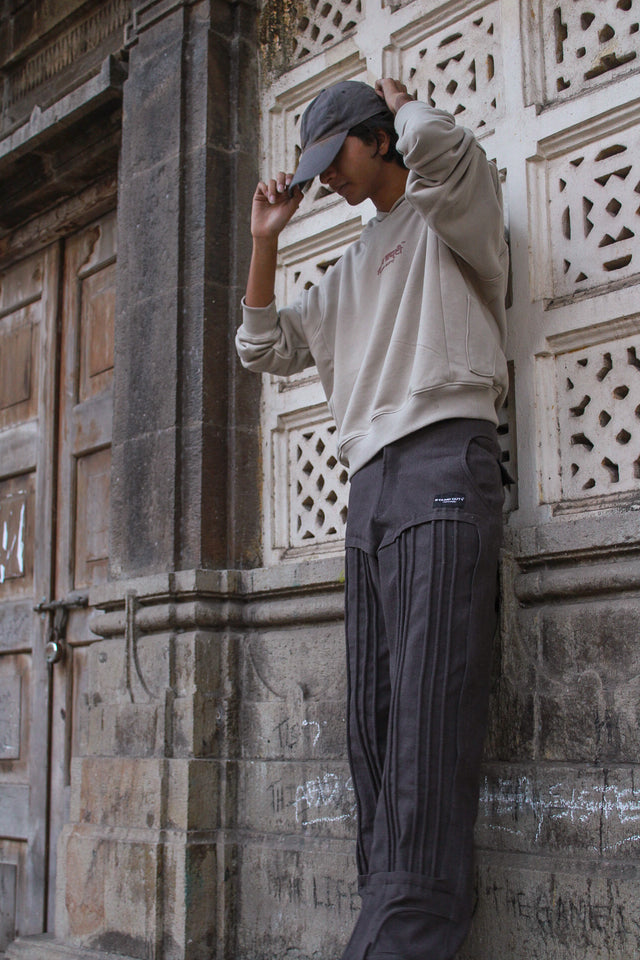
{"x": 358, "y": 172}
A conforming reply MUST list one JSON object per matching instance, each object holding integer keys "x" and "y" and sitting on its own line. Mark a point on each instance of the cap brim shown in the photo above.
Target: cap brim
{"x": 317, "y": 157}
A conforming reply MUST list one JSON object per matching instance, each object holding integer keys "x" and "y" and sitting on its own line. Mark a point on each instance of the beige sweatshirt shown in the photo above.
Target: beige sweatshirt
{"x": 408, "y": 328}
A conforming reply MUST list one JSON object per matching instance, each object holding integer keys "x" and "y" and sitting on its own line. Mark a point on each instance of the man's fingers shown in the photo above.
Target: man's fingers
{"x": 387, "y": 86}
{"x": 275, "y": 189}
{"x": 393, "y": 92}
{"x": 284, "y": 179}
{"x": 262, "y": 191}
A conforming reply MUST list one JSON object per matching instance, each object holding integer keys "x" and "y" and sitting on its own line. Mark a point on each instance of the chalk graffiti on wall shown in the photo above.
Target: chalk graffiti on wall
{"x": 518, "y": 807}
{"x": 325, "y": 799}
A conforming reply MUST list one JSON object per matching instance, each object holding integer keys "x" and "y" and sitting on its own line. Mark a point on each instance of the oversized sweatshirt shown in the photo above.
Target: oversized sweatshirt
{"x": 408, "y": 328}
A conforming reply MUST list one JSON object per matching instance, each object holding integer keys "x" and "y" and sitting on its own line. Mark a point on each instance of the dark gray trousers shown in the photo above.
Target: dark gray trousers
{"x": 423, "y": 536}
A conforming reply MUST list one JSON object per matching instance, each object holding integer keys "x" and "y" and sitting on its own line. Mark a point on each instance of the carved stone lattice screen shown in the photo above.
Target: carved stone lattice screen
{"x": 319, "y": 501}
{"x": 310, "y": 517}
{"x": 595, "y": 208}
{"x": 323, "y": 23}
{"x": 599, "y": 417}
{"x": 585, "y": 43}
{"x": 576, "y": 174}
{"x": 451, "y": 56}
{"x": 456, "y": 67}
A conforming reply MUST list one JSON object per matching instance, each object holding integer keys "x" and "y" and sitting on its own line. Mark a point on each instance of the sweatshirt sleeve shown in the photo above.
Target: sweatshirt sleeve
{"x": 454, "y": 187}
{"x": 272, "y": 341}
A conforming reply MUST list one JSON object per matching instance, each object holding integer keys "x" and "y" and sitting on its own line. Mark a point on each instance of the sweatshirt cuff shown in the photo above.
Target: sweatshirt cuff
{"x": 259, "y": 320}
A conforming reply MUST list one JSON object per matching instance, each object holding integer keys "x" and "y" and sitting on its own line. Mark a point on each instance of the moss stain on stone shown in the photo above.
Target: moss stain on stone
{"x": 279, "y": 24}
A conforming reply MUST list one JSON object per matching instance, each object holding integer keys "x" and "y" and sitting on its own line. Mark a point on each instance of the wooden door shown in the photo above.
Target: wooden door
{"x": 84, "y": 466}
{"x": 28, "y": 323}
{"x": 56, "y": 363}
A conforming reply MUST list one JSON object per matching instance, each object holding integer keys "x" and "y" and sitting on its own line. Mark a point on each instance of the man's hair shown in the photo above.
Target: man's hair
{"x": 367, "y": 132}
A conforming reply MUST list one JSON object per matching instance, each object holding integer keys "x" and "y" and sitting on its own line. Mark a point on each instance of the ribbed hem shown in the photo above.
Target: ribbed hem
{"x": 443, "y": 403}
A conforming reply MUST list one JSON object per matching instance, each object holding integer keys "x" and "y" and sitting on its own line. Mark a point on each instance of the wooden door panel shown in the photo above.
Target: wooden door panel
{"x": 84, "y": 474}
{"x": 8, "y": 883}
{"x": 15, "y": 799}
{"x": 28, "y": 303}
{"x": 86, "y": 413}
{"x": 92, "y": 518}
{"x": 86, "y": 405}
{"x": 15, "y": 677}
{"x": 17, "y": 346}
{"x": 98, "y": 305}
{"x": 10, "y": 718}
{"x": 21, "y": 292}
{"x": 16, "y": 629}
{"x": 15, "y": 790}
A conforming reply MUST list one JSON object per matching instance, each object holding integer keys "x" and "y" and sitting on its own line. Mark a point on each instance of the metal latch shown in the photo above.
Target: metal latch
{"x": 56, "y": 641}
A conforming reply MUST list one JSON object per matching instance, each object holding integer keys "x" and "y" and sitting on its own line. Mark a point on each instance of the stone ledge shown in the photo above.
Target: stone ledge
{"x": 612, "y": 534}
{"x": 44, "y": 947}
{"x": 285, "y": 578}
{"x": 219, "y": 599}
{"x": 578, "y": 581}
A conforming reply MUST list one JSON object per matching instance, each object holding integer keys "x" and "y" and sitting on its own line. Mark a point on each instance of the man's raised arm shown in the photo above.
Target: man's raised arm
{"x": 271, "y": 211}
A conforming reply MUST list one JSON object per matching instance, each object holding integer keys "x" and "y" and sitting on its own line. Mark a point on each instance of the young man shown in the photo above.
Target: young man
{"x": 407, "y": 332}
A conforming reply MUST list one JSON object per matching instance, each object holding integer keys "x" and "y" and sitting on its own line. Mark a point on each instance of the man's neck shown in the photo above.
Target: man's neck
{"x": 392, "y": 189}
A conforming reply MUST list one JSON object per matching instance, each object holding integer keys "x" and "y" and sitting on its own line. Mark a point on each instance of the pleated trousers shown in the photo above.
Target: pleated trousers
{"x": 423, "y": 536}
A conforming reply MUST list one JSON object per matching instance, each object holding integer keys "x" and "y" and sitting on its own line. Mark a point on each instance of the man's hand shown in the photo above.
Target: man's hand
{"x": 393, "y": 93}
{"x": 273, "y": 206}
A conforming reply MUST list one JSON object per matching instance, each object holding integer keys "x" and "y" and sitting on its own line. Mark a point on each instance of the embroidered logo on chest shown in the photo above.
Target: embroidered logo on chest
{"x": 390, "y": 257}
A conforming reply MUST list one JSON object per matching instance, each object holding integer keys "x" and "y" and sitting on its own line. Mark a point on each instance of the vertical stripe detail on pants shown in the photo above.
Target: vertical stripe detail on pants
{"x": 366, "y": 740}
{"x": 417, "y": 786}
{"x": 407, "y": 802}
{"x": 405, "y": 551}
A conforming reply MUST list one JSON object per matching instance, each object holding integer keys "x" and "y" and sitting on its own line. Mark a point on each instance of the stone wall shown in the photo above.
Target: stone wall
{"x": 552, "y": 92}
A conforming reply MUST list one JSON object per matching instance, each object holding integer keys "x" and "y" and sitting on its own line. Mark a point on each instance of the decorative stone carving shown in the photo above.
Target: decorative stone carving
{"x": 306, "y": 485}
{"x": 456, "y": 66}
{"x": 582, "y": 44}
{"x": 590, "y": 181}
{"x": 324, "y": 23}
{"x": 318, "y": 508}
{"x": 507, "y": 438}
{"x": 595, "y": 206}
{"x": 590, "y": 379}
{"x": 599, "y": 411}
{"x": 311, "y": 486}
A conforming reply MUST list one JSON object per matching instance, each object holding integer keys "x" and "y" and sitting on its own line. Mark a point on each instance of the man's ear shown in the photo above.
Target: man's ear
{"x": 384, "y": 142}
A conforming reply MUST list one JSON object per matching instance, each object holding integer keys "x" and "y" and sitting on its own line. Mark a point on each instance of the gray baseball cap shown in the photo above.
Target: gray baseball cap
{"x": 327, "y": 121}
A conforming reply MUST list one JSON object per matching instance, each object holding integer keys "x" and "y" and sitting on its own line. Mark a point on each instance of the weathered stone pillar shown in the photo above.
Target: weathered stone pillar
{"x": 187, "y": 106}
{"x": 140, "y": 868}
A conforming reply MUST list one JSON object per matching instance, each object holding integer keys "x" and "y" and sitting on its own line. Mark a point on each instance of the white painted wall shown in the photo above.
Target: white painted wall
{"x": 552, "y": 89}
